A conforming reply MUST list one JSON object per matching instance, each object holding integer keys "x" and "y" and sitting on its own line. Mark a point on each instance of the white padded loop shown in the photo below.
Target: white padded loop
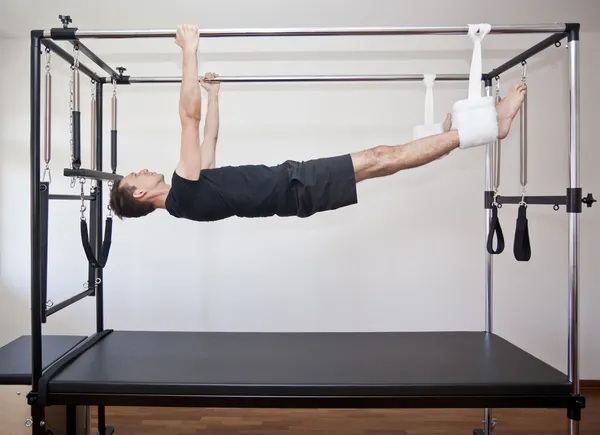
{"x": 428, "y": 128}
{"x": 477, "y": 32}
{"x": 428, "y": 80}
{"x": 476, "y": 121}
{"x": 475, "y": 118}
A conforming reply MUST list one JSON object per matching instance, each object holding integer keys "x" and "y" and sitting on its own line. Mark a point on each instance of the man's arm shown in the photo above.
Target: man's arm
{"x": 211, "y": 126}
{"x": 190, "y": 158}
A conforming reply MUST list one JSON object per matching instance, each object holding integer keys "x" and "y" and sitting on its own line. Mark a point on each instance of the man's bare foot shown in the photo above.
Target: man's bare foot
{"x": 508, "y": 108}
{"x": 447, "y": 122}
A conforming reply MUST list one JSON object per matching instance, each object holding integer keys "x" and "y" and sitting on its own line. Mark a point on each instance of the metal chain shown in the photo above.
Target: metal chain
{"x": 495, "y": 185}
{"x": 110, "y": 185}
{"x": 48, "y": 68}
{"x": 83, "y": 208}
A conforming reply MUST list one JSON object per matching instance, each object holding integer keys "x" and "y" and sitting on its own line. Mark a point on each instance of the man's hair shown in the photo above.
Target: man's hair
{"x": 123, "y": 204}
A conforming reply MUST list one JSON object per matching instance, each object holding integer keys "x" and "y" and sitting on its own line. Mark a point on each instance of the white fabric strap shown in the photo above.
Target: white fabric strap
{"x": 476, "y": 33}
{"x": 429, "y": 127}
{"x": 428, "y": 80}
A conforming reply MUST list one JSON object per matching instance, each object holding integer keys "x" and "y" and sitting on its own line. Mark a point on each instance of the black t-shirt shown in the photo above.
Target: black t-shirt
{"x": 244, "y": 191}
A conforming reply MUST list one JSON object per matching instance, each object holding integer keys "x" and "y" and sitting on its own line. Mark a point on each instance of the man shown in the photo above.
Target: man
{"x": 202, "y": 192}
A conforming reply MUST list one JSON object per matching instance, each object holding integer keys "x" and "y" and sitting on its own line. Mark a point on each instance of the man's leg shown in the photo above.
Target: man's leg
{"x": 386, "y": 160}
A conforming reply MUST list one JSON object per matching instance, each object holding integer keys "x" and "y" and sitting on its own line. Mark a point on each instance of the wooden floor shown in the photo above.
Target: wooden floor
{"x": 184, "y": 421}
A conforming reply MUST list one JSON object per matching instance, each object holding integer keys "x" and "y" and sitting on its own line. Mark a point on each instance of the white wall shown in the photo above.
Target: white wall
{"x": 410, "y": 256}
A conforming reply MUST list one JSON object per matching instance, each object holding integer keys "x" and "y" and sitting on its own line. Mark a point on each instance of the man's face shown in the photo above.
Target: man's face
{"x": 144, "y": 181}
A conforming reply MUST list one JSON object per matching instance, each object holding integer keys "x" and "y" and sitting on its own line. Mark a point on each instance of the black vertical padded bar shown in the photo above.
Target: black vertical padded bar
{"x": 76, "y": 139}
{"x": 43, "y": 222}
{"x": 97, "y": 237}
{"x": 113, "y": 151}
{"x": 37, "y": 412}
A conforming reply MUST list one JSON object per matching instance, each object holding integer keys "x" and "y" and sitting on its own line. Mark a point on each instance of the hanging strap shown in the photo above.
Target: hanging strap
{"x": 428, "y": 81}
{"x": 496, "y": 229}
{"x": 89, "y": 253}
{"x": 476, "y": 33}
{"x": 522, "y": 247}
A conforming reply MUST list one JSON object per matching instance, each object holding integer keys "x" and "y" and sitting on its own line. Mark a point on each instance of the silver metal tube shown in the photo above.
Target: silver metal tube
{"x": 76, "y": 89}
{"x": 93, "y": 134}
{"x": 48, "y": 119}
{"x": 523, "y": 143}
{"x": 114, "y": 112}
{"x": 497, "y": 157}
{"x": 311, "y": 78}
{"x": 321, "y": 31}
{"x": 489, "y": 283}
{"x": 574, "y": 230}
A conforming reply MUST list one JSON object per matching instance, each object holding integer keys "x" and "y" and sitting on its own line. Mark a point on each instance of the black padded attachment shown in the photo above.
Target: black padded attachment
{"x": 15, "y": 357}
{"x": 43, "y": 208}
{"x": 64, "y": 362}
{"x": 495, "y": 229}
{"x": 61, "y": 34}
{"x": 113, "y": 151}
{"x": 522, "y": 245}
{"x": 76, "y": 139}
{"x": 574, "y": 200}
{"x": 87, "y": 247}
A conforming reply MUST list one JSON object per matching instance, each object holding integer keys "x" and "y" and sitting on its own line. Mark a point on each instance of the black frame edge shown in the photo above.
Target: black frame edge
{"x": 312, "y": 402}
{"x": 63, "y": 362}
{"x": 68, "y": 302}
{"x": 60, "y": 52}
{"x": 92, "y": 175}
{"x": 93, "y": 57}
{"x": 525, "y": 55}
{"x": 37, "y": 411}
{"x": 573, "y": 31}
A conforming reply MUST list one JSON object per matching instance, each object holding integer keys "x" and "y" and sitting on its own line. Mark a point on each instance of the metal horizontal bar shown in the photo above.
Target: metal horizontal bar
{"x": 309, "y": 78}
{"x": 533, "y": 200}
{"x": 530, "y": 52}
{"x": 92, "y": 175}
{"x": 64, "y": 304}
{"x": 94, "y": 58}
{"x": 320, "y": 31}
{"x": 71, "y": 197}
{"x": 67, "y": 57}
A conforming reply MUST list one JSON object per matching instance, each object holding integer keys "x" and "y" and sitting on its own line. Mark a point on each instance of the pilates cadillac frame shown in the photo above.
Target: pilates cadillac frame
{"x": 526, "y": 383}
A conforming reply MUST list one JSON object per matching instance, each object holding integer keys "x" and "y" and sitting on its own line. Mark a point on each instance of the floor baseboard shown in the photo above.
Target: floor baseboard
{"x": 589, "y": 384}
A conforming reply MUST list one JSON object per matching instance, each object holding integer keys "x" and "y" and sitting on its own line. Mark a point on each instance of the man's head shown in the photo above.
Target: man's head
{"x": 137, "y": 194}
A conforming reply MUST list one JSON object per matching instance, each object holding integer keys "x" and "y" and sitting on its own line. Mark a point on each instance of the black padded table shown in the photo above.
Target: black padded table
{"x": 15, "y": 357}
{"x": 379, "y": 369}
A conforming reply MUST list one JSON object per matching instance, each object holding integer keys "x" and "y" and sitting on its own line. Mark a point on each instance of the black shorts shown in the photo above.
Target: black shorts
{"x": 322, "y": 184}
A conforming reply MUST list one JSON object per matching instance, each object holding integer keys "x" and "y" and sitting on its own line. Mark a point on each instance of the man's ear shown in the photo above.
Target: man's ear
{"x": 139, "y": 193}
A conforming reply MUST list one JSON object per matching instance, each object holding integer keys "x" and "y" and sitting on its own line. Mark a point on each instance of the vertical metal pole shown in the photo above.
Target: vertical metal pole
{"x": 489, "y": 183}
{"x": 37, "y": 412}
{"x": 97, "y": 185}
{"x": 97, "y": 235}
{"x": 574, "y": 220}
